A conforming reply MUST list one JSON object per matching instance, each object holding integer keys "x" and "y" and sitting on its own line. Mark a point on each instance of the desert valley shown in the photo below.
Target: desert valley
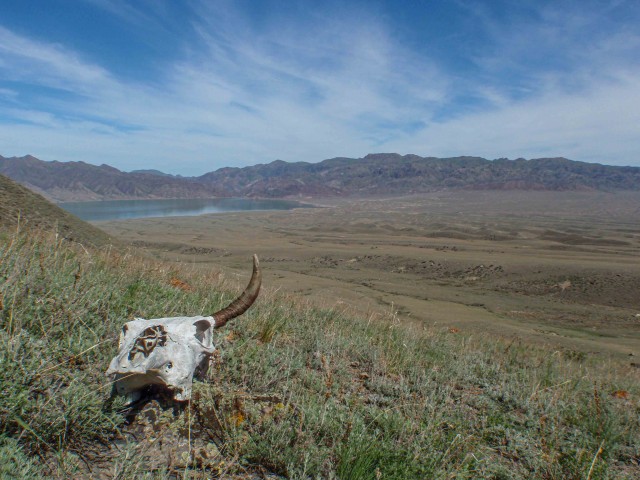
{"x": 561, "y": 268}
{"x": 494, "y": 307}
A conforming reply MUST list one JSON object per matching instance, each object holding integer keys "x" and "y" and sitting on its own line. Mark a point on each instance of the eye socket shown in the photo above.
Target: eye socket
{"x": 169, "y": 365}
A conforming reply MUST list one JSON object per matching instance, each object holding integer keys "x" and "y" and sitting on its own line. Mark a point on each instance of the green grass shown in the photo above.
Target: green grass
{"x": 23, "y": 209}
{"x": 294, "y": 391}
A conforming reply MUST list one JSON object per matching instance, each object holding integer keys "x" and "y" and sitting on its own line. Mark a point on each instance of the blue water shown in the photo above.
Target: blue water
{"x": 123, "y": 209}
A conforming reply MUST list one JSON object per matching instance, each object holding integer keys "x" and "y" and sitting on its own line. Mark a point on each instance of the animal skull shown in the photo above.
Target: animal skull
{"x": 169, "y": 351}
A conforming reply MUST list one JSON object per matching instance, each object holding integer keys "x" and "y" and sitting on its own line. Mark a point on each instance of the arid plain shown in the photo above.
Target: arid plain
{"x": 561, "y": 268}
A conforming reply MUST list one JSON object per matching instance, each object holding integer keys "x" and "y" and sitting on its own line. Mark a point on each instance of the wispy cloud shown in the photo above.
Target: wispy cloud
{"x": 599, "y": 125}
{"x": 33, "y": 62}
{"x": 559, "y": 45}
{"x": 329, "y": 82}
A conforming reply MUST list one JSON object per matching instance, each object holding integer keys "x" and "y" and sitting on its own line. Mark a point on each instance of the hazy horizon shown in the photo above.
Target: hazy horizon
{"x": 132, "y": 170}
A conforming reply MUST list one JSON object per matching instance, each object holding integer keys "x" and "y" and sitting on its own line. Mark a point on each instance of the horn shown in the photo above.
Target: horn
{"x": 244, "y": 301}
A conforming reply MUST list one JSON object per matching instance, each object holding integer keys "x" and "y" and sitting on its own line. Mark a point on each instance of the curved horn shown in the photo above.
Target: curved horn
{"x": 244, "y": 301}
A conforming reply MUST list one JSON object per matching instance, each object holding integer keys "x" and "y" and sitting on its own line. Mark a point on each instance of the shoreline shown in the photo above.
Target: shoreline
{"x": 483, "y": 263}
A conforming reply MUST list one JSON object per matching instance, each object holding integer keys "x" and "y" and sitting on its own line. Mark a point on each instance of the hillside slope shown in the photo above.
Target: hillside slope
{"x": 292, "y": 391}
{"x": 69, "y": 181}
{"x": 19, "y": 205}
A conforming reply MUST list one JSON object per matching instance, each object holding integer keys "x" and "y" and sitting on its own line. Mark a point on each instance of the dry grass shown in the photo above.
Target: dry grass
{"x": 559, "y": 268}
{"x": 295, "y": 391}
{"x": 20, "y": 208}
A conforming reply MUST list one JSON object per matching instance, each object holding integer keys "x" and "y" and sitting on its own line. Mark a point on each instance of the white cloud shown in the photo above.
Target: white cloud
{"x": 339, "y": 85}
{"x": 597, "y": 125}
{"x": 47, "y": 64}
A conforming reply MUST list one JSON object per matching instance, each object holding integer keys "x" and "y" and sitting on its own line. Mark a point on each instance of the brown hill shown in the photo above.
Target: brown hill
{"x": 70, "y": 181}
{"x": 21, "y": 206}
{"x": 390, "y": 173}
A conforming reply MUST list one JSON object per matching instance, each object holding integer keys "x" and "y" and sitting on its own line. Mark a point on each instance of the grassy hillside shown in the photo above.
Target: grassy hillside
{"x": 294, "y": 392}
{"x": 19, "y": 206}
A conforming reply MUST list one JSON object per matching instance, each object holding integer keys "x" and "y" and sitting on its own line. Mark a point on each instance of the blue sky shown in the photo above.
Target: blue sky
{"x": 189, "y": 86}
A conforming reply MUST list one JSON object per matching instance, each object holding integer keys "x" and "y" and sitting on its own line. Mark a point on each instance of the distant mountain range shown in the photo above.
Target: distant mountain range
{"x": 375, "y": 174}
{"x": 69, "y": 181}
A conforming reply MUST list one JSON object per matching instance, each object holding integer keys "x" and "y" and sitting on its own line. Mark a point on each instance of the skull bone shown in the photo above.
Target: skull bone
{"x": 162, "y": 351}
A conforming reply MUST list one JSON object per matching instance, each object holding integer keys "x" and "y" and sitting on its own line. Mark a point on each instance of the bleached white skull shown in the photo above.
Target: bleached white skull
{"x": 169, "y": 351}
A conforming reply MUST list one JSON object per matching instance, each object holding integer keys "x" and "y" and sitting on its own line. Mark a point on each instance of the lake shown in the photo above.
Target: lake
{"x": 123, "y": 209}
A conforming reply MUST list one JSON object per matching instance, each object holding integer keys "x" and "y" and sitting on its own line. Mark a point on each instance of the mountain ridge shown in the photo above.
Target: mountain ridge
{"x": 373, "y": 175}
{"x": 70, "y": 181}
{"x": 391, "y": 173}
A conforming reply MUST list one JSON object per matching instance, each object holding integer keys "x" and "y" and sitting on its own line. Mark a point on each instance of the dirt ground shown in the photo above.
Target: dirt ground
{"x": 561, "y": 268}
